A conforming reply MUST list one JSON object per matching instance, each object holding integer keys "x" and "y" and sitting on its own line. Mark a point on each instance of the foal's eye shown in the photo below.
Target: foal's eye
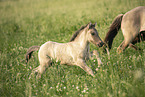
{"x": 92, "y": 33}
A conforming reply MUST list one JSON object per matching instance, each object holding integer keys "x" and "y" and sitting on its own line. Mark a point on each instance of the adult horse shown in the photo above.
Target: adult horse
{"x": 132, "y": 25}
{"x": 74, "y": 52}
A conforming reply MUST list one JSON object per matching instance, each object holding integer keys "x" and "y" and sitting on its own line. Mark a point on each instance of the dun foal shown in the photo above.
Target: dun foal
{"x": 74, "y": 52}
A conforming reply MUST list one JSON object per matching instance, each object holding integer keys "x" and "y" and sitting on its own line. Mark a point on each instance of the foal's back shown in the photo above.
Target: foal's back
{"x": 57, "y": 51}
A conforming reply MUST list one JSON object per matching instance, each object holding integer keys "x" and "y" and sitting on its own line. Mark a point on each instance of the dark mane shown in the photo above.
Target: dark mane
{"x": 77, "y": 33}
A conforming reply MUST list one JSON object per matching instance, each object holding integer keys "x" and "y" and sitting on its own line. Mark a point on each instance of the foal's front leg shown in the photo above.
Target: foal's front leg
{"x": 81, "y": 63}
{"x": 95, "y": 52}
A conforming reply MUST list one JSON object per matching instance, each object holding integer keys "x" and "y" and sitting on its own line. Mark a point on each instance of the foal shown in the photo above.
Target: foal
{"x": 74, "y": 52}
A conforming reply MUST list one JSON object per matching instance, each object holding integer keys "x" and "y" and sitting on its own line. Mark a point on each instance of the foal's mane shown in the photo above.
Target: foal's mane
{"x": 77, "y": 33}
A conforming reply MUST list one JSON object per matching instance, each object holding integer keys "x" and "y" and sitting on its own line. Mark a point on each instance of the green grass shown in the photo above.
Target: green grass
{"x": 24, "y": 23}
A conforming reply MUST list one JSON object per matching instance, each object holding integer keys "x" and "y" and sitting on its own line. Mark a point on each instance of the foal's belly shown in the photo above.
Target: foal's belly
{"x": 68, "y": 61}
{"x": 64, "y": 58}
{"x": 63, "y": 54}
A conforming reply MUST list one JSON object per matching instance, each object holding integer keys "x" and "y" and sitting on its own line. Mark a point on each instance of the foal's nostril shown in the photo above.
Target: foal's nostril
{"x": 101, "y": 44}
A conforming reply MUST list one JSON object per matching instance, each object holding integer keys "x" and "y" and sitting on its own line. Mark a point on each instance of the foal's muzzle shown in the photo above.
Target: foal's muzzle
{"x": 100, "y": 44}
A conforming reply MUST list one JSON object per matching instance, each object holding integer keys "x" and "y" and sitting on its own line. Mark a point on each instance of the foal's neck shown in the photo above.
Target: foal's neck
{"x": 82, "y": 40}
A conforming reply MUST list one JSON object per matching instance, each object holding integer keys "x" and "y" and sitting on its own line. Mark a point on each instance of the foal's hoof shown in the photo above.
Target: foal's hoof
{"x": 38, "y": 76}
{"x": 92, "y": 75}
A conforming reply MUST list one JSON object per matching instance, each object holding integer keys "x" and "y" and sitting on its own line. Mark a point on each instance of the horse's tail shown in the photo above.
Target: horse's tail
{"x": 30, "y": 51}
{"x": 115, "y": 26}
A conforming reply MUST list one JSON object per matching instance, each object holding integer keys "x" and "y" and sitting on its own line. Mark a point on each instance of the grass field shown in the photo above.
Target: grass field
{"x": 24, "y": 23}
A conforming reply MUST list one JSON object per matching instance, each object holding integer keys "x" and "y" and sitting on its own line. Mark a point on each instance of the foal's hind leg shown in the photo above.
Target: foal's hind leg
{"x": 44, "y": 64}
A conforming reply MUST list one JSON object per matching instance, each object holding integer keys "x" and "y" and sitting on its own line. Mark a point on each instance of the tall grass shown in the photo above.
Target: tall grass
{"x": 24, "y": 23}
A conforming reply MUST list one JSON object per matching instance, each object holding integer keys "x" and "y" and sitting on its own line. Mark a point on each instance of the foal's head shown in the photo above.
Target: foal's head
{"x": 92, "y": 35}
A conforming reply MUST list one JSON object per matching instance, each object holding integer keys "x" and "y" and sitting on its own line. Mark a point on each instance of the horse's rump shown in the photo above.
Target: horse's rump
{"x": 134, "y": 20}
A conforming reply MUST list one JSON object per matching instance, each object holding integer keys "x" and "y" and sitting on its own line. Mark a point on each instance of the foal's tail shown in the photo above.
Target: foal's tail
{"x": 30, "y": 51}
{"x": 115, "y": 26}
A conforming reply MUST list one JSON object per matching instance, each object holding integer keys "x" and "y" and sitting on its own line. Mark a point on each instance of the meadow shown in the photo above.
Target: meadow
{"x": 24, "y": 23}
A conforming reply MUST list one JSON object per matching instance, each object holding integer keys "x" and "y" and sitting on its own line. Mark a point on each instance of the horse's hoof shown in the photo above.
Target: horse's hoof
{"x": 119, "y": 50}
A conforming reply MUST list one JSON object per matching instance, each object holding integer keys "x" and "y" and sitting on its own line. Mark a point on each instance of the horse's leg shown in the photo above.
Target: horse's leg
{"x": 127, "y": 40}
{"x": 81, "y": 63}
{"x": 143, "y": 35}
{"x": 119, "y": 49}
{"x": 139, "y": 38}
{"x": 134, "y": 47}
{"x": 124, "y": 45}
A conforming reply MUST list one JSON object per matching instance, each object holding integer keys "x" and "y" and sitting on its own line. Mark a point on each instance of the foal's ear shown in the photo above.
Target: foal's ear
{"x": 89, "y": 25}
{"x": 95, "y": 24}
